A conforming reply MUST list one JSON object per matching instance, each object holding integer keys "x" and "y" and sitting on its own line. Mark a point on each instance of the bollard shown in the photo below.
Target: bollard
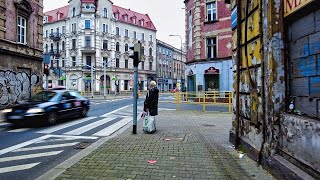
{"x": 214, "y": 97}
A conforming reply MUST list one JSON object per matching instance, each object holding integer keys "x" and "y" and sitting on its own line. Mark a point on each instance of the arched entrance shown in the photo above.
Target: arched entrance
{"x": 108, "y": 86}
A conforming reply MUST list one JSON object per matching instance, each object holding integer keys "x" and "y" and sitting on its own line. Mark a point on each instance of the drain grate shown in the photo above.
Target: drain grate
{"x": 82, "y": 145}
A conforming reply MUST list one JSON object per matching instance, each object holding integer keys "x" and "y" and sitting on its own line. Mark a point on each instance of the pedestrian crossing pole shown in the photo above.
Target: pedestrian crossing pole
{"x": 136, "y": 60}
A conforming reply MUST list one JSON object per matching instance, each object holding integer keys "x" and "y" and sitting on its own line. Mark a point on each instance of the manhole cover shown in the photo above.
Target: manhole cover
{"x": 82, "y": 145}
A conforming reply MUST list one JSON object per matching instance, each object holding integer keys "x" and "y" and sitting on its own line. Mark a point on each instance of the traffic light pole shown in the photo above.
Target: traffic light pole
{"x": 135, "y": 99}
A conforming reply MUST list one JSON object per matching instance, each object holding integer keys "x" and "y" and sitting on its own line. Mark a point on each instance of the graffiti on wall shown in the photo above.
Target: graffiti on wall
{"x": 16, "y": 87}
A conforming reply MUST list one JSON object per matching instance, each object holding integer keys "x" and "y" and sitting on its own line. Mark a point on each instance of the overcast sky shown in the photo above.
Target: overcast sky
{"x": 167, "y": 15}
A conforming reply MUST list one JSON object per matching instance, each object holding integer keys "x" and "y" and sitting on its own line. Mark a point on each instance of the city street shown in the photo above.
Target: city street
{"x": 27, "y": 153}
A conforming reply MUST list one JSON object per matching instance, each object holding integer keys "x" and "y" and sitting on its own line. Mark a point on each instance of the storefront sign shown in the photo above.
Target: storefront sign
{"x": 291, "y": 6}
{"x": 212, "y": 70}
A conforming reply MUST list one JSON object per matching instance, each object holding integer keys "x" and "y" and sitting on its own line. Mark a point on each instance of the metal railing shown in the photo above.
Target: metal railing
{"x": 205, "y": 99}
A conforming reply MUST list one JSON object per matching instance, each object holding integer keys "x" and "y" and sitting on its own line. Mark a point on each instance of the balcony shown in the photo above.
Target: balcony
{"x": 88, "y": 49}
{"x": 55, "y": 36}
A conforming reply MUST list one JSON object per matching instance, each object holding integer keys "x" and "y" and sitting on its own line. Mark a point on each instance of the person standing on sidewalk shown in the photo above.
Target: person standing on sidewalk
{"x": 151, "y": 102}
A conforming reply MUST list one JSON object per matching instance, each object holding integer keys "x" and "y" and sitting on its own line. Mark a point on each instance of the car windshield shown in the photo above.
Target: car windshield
{"x": 44, "y": 96}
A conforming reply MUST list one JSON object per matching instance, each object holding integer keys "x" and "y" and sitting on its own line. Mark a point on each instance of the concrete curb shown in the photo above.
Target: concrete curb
{"x": 59, "y": 169}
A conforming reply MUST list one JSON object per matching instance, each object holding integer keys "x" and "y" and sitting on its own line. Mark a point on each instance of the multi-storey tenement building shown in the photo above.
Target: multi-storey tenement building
{"x": 170, "y": 67}
{"x": 208, "y": 41}
{"x": 87, "y": 33}
{"x": 20, "y": 50}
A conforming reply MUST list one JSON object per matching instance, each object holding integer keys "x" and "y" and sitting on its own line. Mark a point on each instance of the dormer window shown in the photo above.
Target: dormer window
{"x": 116, "y": 16}
{"x": 73, "y": 12}
{"x": 105, "y": 12}
{"x": 59, "y": 16}
{"x": 126, "y": 18}
{"x": 134, "y": 20}
{"x": 142, "y": 22}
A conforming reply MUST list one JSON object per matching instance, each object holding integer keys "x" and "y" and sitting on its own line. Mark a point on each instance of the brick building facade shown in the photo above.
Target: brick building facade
{"x": 208, "y": 43}
{"x": 20, "y": 49}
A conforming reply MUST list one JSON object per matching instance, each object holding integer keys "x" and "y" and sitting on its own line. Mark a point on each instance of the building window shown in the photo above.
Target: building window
{"x": 142, "y": 65}
{"x": 142, "y": 36}
{"x": 117, "y": 63}
{"x": 88, "y": 61}
{"x": 105, "y": 44}
{"x": 74, "y": 27}
{"x": 88, "y": 41}
{"x": 46, "y": 48}
{"x": 73, "y": 61}
{"x": 63, "y": 46}
{"x": 211, "y": 47}
{"x": 150, "y": 65}
{"x": 150, "y": 52}
{"x": 105, "y": 61}
{"x": 126, "y": 18}
{"x": 126, "y": 33}
{"x": 105, "y": 12}
{"x": 73, "y": 12}
{"x": 51, "y": 32}
{"x": 47, "y": 33}
{"x": 142, "y": 22}
{"x": 134, "y": 35}
{"x": 134, "y": 20}
{"x": 57, "y": 31}
{"x": 150, "y": 38}
{"x": 22, "y": 30}
{"x": 73, "y": 44}
{"x": 63, "y": 63}
{"x": 142, "y": 50}
{"x": 63, "y": 29}
{"x": 126, "y": 48}
{"x": 190, "y": 30}
{"x": 116, "y": 16}
{"x": 51, "y": 49}
{"x": 212, "y": 11}
{"x": 126, "y": 64}
{"x": 105, "y": 28}
{"x": 117, "y": 46}
{"x": 87, "y": 24}
{"x": 117, "y": 31}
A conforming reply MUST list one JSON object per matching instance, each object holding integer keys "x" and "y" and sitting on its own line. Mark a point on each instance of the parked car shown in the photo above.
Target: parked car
{"x": 48, "y": 107}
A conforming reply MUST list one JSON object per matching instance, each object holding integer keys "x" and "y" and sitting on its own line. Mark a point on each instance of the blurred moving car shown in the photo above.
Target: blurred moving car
{"x": 48, "y": 107}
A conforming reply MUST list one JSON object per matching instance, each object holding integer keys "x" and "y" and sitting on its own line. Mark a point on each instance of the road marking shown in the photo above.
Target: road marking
{"x": 73, "y": 137}
{"x": 88, "y": 127}
{"x": 107, "y": 114}
{"x": 4, "y": 124}
{"x": 46, "y": 147}
{"x": 113, "y": 128}
{"x": 9, "y": 149}
{"x": 19, "y": 130}
{"x": 18, "y": 168}
{"x": 62, "y": 126}
{"x": 29, "y": 156}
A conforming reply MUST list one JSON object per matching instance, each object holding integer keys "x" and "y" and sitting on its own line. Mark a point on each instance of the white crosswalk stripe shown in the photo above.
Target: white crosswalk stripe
{"x": 19, "y": 130}
{"x": 114, "y": 127}
{"x": 63, "y": 126}
{"x": 29, "y": 156}
{"x": 88, "y": 127}
{"x": 18, "y": 168}
{"x": 46, "y": 147}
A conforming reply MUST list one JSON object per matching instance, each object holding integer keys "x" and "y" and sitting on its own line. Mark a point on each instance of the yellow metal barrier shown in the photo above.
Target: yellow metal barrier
{"x": 206, "y": 99}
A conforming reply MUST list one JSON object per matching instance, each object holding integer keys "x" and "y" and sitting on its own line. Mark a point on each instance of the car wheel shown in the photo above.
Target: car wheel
{"x": 84, "y": 111}
{"x": 52, "y": 118}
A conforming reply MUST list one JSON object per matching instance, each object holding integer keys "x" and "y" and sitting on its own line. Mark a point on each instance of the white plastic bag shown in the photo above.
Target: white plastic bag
{"x": 149, "y": 124}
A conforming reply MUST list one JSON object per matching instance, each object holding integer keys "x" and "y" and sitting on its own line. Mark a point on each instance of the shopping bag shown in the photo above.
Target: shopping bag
{"x": 149, "y": 123}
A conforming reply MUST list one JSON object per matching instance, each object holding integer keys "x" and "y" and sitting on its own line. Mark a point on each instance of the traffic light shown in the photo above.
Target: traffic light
{"x": 136, "y": 56}
{"x": 46, "y": 69}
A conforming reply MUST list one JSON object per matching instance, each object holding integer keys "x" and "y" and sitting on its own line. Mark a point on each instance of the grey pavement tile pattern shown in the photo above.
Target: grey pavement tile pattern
{"x": 187, "y": 145}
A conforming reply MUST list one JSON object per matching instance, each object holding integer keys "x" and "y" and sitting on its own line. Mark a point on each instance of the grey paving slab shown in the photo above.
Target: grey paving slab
{"x": 187, "y": 145}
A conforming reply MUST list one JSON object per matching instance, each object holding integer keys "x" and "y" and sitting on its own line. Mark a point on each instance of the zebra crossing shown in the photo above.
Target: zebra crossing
{"x": 54, "y": 142}
{"x": 97, "y": 102}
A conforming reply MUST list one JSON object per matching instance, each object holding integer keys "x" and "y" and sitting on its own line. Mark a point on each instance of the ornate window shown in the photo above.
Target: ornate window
{"x": 24, "y": 10}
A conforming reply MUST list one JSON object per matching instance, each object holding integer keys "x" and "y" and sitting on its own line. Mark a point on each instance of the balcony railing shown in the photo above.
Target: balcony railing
{"x": 88, "y": 49}
{"x": 55, "y": 36}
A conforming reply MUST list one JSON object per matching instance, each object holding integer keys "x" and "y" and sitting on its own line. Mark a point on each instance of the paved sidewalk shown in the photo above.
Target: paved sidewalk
{"x": 187, "y": 145}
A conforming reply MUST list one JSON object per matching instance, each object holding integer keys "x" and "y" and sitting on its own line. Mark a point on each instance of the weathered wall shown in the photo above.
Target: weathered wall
{"x": 301, "y": 139}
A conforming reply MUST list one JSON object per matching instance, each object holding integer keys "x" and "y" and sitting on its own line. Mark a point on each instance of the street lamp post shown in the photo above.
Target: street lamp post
{"x": 180, "y": 53}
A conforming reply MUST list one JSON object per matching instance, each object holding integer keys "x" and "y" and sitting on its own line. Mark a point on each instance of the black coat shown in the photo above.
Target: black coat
{"x": 151, "y": 101}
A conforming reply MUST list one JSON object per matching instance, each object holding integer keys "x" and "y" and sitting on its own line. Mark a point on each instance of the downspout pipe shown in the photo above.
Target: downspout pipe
{"x": 238, "y": 60}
